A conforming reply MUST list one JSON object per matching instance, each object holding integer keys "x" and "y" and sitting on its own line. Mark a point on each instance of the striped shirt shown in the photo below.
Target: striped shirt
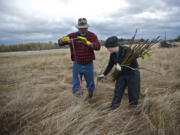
{"x": 84, "y": 54}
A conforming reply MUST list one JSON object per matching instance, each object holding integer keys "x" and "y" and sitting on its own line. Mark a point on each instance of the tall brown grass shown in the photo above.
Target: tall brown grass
{"x": 36, "y": 98}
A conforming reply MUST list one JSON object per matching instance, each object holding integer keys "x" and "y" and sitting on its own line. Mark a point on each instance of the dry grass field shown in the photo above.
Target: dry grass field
{"x": 36, "y": 98}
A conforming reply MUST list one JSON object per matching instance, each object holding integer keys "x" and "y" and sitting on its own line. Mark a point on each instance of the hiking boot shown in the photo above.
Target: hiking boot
{"x": 89, "y": 97}
{"x": 90, "y": 94}
{"x": 91, "y": 100}
{"x": 114, "y": 106}
{"x": 78, "y": 93}
{"x": 133, "y": 103}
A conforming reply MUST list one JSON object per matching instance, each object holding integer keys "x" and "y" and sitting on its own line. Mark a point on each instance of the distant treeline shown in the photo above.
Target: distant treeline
{"x": 47, "y": 46}
{"x": 28, "y": 47}
{"x": 50, "y": 45}
{"x": 123, "y": 41}
{"x": 176, "y": 40}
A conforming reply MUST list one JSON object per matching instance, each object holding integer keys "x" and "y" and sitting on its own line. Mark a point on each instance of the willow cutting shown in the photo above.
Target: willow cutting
{"x": 138, "y": 49}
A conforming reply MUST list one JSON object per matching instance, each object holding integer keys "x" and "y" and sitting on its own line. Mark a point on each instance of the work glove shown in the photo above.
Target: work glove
{"x": 101, "y": 76}
{"x": 84, "y": 40}
{"x": 66, "y": 40}
{"x": 118, "y": 67}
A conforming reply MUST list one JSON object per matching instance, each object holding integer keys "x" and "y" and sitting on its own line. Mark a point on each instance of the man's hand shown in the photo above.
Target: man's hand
{"x": 84, "y": 40}
{"x": 66, "y": 40}
{"x": 118, "y": 67}
{"x": 101, "y": 76}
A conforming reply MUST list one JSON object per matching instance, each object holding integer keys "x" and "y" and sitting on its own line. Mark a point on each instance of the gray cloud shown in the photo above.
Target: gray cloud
{"x": 124, "y": 21}
{"x": 17, "y": 27}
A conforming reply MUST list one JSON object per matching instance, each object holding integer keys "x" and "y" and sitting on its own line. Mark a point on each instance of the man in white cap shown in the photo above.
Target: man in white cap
{"x": 82, "y": 53}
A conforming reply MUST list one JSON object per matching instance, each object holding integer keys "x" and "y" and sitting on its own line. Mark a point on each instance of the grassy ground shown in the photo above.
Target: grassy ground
{"x": 36, "y": 98}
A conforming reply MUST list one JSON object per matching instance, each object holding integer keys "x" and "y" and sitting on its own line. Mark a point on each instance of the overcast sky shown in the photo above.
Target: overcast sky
{"x": 23, "y": 21}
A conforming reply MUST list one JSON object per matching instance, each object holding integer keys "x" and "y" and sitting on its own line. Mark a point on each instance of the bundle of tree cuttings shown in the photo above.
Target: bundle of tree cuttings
{"x": 136, "y": 50}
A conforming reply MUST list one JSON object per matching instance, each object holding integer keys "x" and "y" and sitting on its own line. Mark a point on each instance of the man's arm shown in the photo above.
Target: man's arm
{"x": 64, "y": 41}
{"x": 91, "y": 41}
{"x": 95, "y": 44}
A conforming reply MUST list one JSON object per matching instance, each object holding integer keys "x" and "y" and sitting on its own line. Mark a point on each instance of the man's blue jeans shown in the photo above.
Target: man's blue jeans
{"x": 87, "y": 71}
